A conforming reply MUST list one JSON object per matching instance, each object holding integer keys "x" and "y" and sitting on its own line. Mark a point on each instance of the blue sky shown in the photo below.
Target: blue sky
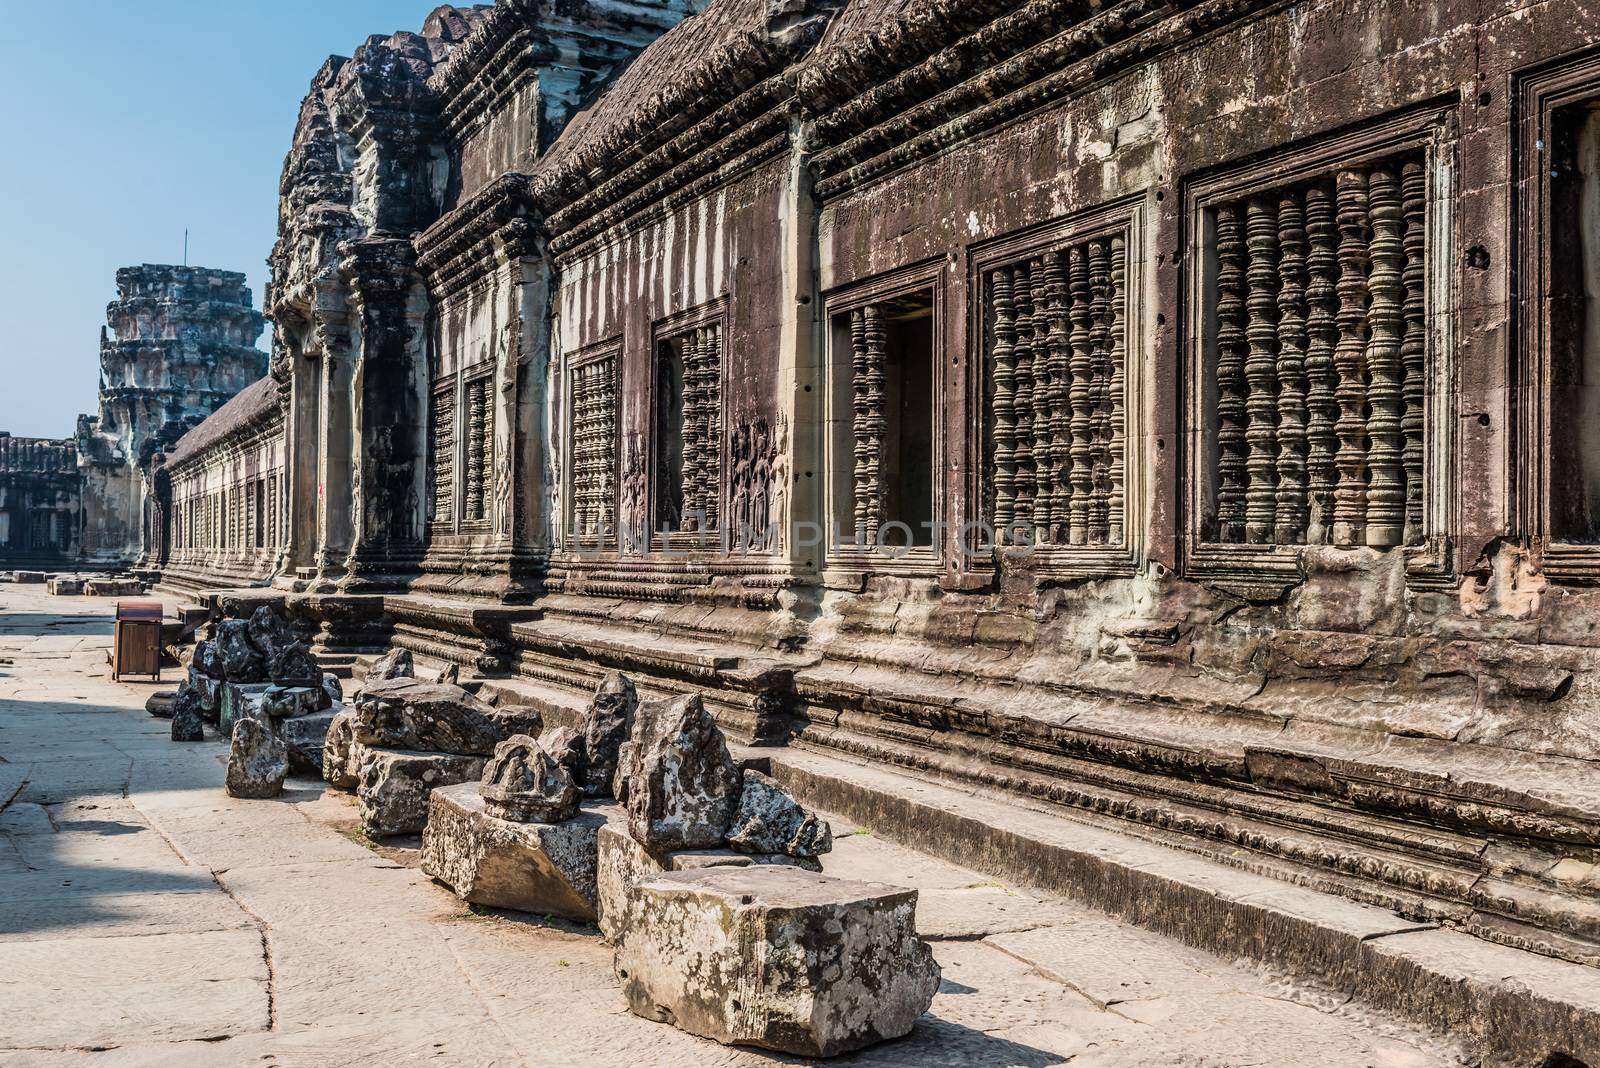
{"x": 125, "y": 121}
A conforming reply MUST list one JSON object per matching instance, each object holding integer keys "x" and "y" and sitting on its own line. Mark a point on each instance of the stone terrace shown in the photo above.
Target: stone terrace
{"x": 147, "y": 918}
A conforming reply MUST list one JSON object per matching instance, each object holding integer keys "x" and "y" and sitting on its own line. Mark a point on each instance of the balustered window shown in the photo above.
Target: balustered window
{"x": 1056, "y": 332}
{"x": 688, "y": 429}
{"x": 442, "y": 447}
{"x": 884, "y": 432}
{"x": 592, "y": 450}
{"x": 1315, "y": 358}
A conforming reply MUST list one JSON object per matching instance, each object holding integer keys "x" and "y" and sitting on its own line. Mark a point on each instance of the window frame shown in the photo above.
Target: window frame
{"x": 1126, "y": 216}
{"x": 1538, "y": 94}
{"x": 1266, "y": 571}
{"x": 709, "y": 543}
{"x": 571, "y": 363}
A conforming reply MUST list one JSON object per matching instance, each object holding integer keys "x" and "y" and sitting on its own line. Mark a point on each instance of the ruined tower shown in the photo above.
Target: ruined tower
{"x": 179, "y": 342}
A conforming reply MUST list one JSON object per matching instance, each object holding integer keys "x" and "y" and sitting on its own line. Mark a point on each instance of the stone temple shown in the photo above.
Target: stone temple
{"x": 990, "y": 392}
{"x": 178, "y": 342}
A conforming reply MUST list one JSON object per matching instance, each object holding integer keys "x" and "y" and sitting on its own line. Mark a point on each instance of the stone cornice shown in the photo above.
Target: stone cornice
{"x": 495, "y": 223}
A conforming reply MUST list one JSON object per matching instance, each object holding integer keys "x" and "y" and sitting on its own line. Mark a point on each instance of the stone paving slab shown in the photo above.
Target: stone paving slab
{"x": 273, "y": 930}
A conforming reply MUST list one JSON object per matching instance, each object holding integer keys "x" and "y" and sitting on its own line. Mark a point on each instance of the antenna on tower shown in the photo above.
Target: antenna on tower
{"x": 186, "y": 246}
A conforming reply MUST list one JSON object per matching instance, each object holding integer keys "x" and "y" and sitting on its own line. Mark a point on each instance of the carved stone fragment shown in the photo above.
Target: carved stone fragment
{"x": 683, "y": 784}
{"x": 408, "y": 713}
{"x": 394, "y": 664}
{"x": 523, "y": 782}
{"x": 605, "y": 727}
{"x": 393, "y": 785}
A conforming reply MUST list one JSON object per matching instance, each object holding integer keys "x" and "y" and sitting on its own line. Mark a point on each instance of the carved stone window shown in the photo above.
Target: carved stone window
{"x": 461, "y": 434}
{"x": 478, "y": 409}
{"x": 1058, "y": 331}
{"x": 687, "y": 433}
{"x": 884, "y": 433}
{"x": 1314, "y": 355}
{"x": 442, "y": 446}
{"x": 1558, "y": 481}
{"x": 592, "y": 450}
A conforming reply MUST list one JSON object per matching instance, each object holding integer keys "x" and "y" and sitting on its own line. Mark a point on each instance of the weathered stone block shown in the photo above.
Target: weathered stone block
{"x": 66, "y": 587}
{"x": 187, "y": 724}
{"x": 682, "y": 783}
{"x": 293, "y": 665}
{"x": 333, "y": 691}
{"x": 208, "y": 692}
{"x": 394, "y": 785}
{"x": 268, "y": 631}
{"x": 240, "y": 701}
{"x": 258, "y": 760}
{"x": 305, "y": 737}
{"x": 509, "y": 864}
{"x": 113, "y": 587}
{"x": 286, "y": 702}
{"x": 28, "y": 576}
{"x": 622, "y": 863}
{"x": 777, "y": 957}
{"x": 337, "y": 750}
{"x": 768, "y": 820}
{"x": 241, "y": 661}
{"x": 425, "y": 716}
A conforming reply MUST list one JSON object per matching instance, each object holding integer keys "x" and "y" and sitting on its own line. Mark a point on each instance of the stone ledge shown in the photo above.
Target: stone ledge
{"x": 1506, "y": 1002}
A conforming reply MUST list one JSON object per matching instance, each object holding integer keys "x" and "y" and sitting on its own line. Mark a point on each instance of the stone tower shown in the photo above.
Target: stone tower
{"x": 179, "y": 342}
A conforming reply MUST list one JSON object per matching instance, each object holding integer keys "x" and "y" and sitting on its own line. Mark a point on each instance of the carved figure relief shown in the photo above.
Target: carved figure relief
{"x": 753, "y": 454}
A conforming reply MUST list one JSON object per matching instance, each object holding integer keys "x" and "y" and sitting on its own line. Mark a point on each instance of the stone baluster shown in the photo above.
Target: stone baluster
{"x": 860, "y": 415}
{"x": 1322, "y": 336}
{"x": 1117, "y": 448}
{"x": 1414, "y": 346}
{"x": 877, "y": 417}
{"x": 1261, "y": 369}
{"x": 1055, "y": 282}
{"x": 1231, "y": 405}
{"x": 1022, "y": 295}
{"x": 477, "y": 461}
{"x": 1099, "y": 391}
{"x": 1386, "y": 492}
{"x": 606, "y": 432}
{"x": 1044, "y": 471}
{"x": 1005, "y": 424}
{"x": 1081, "y": 472}
{"x": 1349, "y": 358}
{"x": 711, "y": 414}
{"x": 444, "y": 460}
{"x": 693, "y": 428}
{"x": 1289, "y": 525}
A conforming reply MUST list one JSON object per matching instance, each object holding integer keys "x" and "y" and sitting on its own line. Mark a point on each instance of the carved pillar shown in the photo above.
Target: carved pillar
{"x": 1386, "y": 494}
{"x": 1231, "y": 390}
{"x": 1413, "y": 347}
{"x": 300, "y": 395}
{"x": 335, "y": 441}
{"x": 1261, "y": 369}
{"x": 387, "y": 400}
{"x": 1322, "y": 335}
{"x": 1289, "y": 523}
{"x": 1349, "y": 358}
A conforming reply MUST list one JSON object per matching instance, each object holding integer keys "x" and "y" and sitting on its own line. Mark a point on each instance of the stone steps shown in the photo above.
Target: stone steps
{"x": 1506, "y": 1002}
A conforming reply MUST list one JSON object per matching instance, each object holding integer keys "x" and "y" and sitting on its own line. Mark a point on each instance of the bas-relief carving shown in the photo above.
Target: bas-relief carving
{"x": 754, "y": 448}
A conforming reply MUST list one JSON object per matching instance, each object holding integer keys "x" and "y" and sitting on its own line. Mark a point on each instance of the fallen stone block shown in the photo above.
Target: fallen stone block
{"x": 512, "y": 864}
{"x": 293, "y": 665}
{"x": 65, "y": 587}
{"x": 287, "y": 702}
{"x": 159, "y": 704}
{"x": 206, "y": 659}
{"x": 113, "y": 587}
{"x": 395, "y": 664}
{"x": 258, "y": 760}
{"x": 337, "y": 767}
{"x": 622, "y": 863}
{"x": 426, "y": 716}
{"x": 768, "y": 820}
{"x": 28, "y": 576}
{"x": 306, "y": 736}
{"x": 517, "y": 719}
{"x": 394, "y": 784}
{"x": 682, "y": 784}
{"x": 333, "y": 692}
{"x": 240, "y": 700}
{"x": 777, "y": 957}
{"x": 523, "y": 782}
{"x": 268, "y": 631}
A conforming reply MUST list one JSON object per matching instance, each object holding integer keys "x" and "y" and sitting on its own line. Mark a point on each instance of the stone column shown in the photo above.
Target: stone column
{"x": 300, "y": 397}
{"x": 388, "y": 398}
{"x": 335, "y": 415}
{"x": 521, "y": 492}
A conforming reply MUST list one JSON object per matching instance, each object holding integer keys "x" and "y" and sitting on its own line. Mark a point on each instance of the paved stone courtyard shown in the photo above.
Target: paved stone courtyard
{"x": 148, "y": 919}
